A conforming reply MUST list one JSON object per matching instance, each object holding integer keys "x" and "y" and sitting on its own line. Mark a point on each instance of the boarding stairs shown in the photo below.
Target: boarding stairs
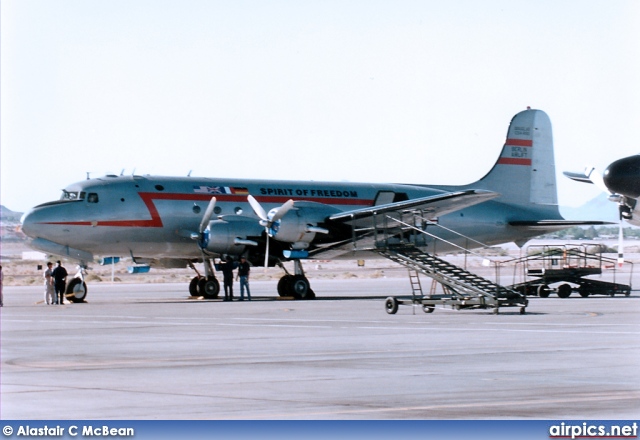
{"x": 462, "y": 288}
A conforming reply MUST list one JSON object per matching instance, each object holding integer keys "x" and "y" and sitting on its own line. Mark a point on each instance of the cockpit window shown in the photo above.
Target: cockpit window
{"x": 93, "y": 198}
{"x": 72, "y": 195}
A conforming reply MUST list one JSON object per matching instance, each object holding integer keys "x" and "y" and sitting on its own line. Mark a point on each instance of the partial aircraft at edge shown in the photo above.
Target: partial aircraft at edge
{"x": 181, "y": 221}
{"x": 621, "y": 180}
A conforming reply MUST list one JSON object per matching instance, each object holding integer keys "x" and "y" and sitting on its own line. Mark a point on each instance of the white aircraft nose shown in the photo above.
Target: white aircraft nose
{"x": 31, "y": 223}
{"x": 27, "y": 223}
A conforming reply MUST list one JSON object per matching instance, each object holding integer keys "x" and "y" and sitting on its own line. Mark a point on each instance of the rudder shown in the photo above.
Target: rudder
{"x": 525, "y": 171}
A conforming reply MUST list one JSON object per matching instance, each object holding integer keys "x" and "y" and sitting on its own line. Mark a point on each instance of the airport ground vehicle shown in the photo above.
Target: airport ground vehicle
{"x": 567, "y": 268}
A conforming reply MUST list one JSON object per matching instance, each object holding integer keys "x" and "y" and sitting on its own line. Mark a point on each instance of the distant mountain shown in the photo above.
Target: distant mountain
{"x": 598, "y": 208}
{"x": 7, "y": 215}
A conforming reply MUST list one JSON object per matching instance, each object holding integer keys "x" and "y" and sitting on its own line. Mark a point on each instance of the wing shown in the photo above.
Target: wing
{"x": 431, "y": 206}
{"x": 364, "y": 224}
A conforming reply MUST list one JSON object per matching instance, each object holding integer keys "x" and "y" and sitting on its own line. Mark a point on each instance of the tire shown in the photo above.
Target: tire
{"x": 193, "y": 286}
{"x": 564, "y": 291}
{"x": 300, "y": 287}
{"x": 428, "y": 309}
{"x": 76, "y": 290}
{"x": 583, "y": 291}
{"x": 284, "y": 286}
{"x": 391, "y": 305}
{"x": 543, "y": 291}
{"x": 209, "y": 287}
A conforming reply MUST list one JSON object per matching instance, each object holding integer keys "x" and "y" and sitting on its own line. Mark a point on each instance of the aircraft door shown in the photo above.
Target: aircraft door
{"x": 386, "y": 197}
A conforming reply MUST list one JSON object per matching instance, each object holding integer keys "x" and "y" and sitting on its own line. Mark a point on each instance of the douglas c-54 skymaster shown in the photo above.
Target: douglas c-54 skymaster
{"x": 179, "y": 221}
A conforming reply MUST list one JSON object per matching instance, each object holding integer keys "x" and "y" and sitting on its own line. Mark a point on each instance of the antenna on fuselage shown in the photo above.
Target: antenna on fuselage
{"x": 88, "y": 172}
{"x": 133, "y": 173}
{"x": 189, "y": 173}
{"x": 122, "y": 172}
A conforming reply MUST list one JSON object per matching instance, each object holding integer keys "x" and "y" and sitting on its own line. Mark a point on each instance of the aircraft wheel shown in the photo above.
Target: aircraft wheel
{"x": 300, "y": 287}
{"x": 428, "y": 309}
{"x": 564, "y": 291}
{"x": 391, "y": 305}
{"x": 193, "y": 286}
{"x": 543, "y": 291}
{"x": 76, "y": 290}
{"x": 284, "y": 284}
{"x": 209, "y": 287}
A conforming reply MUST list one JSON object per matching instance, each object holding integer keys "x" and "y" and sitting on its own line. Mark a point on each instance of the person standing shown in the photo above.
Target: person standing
{"x": 48, "y": 284}
{"x": 59, "y": 282}
{"x": 227, "y": 268}
{"x": 243, "y": 273}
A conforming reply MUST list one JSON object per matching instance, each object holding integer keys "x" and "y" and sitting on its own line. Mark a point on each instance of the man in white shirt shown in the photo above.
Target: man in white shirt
{"x": 48, "y": 284}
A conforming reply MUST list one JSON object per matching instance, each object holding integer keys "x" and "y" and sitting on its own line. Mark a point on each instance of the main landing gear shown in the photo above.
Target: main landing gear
{"x": 296, "y": 285}
{"x": 206, "y": 286}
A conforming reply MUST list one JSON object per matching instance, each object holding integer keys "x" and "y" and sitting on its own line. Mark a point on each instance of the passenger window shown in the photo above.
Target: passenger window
{"x": 93, "y": 198}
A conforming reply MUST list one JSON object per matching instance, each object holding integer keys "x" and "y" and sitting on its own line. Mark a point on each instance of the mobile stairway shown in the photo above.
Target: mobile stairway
{"x": 461, "y": 289}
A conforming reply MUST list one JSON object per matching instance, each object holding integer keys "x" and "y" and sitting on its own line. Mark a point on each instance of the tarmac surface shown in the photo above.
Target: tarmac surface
{"x": 148, "y": 351}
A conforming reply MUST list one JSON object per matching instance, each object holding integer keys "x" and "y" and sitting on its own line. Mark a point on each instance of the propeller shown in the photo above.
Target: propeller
{"x": 596, "y": 178}
{"x": 206, "y": 218}
{"x": 268, "y": 220}
{"x": 620, "y": 243}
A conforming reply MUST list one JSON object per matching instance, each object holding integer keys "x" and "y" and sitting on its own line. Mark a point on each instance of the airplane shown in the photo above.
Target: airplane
{"x": 176, "y": 222}
{"x": 621, "y": 180}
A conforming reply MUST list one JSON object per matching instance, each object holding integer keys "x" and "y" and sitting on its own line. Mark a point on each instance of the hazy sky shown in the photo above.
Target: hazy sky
{"x": 382, "y": 91}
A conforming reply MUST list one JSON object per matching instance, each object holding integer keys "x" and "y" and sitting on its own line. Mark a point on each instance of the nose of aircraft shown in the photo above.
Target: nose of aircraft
{"x": 623, "y": 176}
{"x": 27, "y": 223}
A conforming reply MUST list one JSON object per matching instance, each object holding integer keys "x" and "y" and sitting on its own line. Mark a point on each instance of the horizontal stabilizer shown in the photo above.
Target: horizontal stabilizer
{"x": 578, "y": 177}
{"x": 557, "y": 224}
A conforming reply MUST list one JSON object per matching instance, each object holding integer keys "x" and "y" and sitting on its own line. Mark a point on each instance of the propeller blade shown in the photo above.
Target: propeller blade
{"x": 286, "y": 207}
{"x": 596, "y": 177}
{"x": 207, "y": 215}
{"x": 266, "y": 255}
{"x": 620, "y": 245}
{"x": 257, "y": 208}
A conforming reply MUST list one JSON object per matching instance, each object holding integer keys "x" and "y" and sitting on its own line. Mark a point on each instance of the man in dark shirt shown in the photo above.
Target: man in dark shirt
{"x": 227, "y": 268}
{"x": 243, "y": 274}
{"x": 59, "y": 282}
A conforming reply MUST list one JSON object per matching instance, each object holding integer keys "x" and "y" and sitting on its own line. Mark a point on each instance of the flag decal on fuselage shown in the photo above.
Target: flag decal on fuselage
{"x": 203, "y": 189}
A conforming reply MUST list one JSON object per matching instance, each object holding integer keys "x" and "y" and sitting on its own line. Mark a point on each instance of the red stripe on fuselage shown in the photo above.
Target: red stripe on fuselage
{"x": 156, "y": 220}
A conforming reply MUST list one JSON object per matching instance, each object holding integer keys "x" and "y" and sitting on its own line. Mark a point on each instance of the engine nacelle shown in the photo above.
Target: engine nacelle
{"x": 229, "y": 235}
{"x": 299, "y": 226}
{"x": 629, "y": 210}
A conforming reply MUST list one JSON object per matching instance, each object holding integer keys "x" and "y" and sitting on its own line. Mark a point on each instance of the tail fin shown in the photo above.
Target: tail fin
{"x": 525, "y": 173}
